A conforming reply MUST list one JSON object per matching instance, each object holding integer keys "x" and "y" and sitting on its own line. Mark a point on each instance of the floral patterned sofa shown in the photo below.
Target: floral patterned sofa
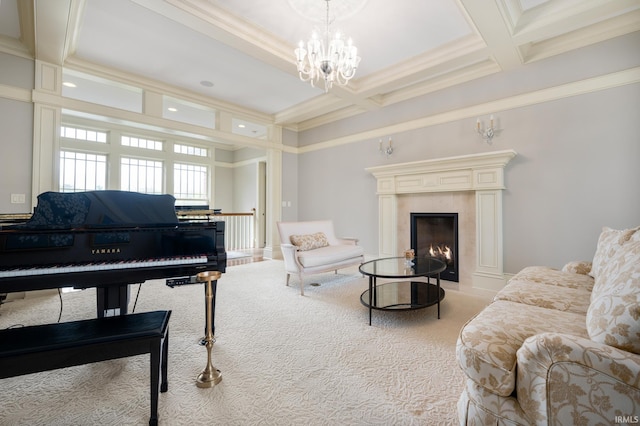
{"x": 559, "y": 347}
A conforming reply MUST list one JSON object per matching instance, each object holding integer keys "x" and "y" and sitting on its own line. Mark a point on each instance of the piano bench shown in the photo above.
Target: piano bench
{"x": 33, "y": 349}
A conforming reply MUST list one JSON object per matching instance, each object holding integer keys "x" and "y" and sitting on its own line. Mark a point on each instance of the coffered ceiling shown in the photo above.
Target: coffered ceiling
{"x": 239, "y": 53}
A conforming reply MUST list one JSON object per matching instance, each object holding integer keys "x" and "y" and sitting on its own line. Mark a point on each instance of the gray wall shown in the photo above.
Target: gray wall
{"x": 245, "y": 191}
{"x": 236, "y": 184}
{"x": 223, "y": 196}
{"x": 16, "y": 124}
{"x": 576, "y": 171}
{"x": 16, "y": 135}
{"x": 290, "y": 187}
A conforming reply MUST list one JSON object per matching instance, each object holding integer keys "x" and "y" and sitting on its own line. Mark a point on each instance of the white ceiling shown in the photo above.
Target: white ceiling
{"x": 245, "y": 47}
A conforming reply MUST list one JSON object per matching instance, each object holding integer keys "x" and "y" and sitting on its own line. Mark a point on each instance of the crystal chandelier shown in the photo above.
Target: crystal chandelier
{"x": 329, "y": 58}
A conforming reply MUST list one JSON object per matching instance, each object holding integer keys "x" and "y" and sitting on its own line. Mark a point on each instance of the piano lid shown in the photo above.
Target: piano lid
{"x": 109, "y": 208}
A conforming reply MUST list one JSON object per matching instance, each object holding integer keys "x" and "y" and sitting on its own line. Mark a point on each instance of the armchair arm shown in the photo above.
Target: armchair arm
{"x": 564, "y": 379}
{"x": 349, "y": 240}
{"x": 289, "y": 254}
{"x": 582, "y": 267}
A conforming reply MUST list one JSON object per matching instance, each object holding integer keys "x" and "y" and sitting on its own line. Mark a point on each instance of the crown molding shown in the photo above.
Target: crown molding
{"x": 452, "y": 52}
{"x": 236, "y": 32}
{"x": 482, "y": 68}
{"x": 594, "y": 84}
{"x": 145, "y": 83}
{"x": 596, "y": 33}
{"x": 13, "y": 47}
{"x": 446, "y": 70}
{"x": 15, "y": 93}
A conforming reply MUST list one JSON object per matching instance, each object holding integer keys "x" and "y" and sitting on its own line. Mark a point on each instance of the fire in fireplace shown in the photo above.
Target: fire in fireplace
{"x": 436, "y": 235}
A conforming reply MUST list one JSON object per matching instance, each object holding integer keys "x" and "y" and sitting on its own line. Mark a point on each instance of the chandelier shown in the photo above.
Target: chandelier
{"x": 328, "y": 57}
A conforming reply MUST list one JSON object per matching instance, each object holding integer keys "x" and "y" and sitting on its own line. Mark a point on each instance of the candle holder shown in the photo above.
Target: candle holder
{"x": 388, "y": 150}
{"x": 488, "y": 133}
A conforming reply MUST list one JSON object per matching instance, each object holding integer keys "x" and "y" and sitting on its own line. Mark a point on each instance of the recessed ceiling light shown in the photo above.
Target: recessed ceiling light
{"x": 172, "y": 109}
{"x": 69, "y": 84}
{"x": 242, "y": 126}
{"x": 206, "y": 83}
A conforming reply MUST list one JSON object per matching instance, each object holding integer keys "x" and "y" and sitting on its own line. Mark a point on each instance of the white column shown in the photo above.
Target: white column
{"x": 274, "y": 203}
{"x": 489, "y": 273}
{"x": 46, "y": 128}
{"x": 388, "y": 225}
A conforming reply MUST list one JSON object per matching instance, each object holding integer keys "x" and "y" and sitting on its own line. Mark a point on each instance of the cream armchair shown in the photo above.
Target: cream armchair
{"x": 312, "y": 247}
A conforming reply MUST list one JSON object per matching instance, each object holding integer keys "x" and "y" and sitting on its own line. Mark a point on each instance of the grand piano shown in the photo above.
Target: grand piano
{"x": 107, "y": 240}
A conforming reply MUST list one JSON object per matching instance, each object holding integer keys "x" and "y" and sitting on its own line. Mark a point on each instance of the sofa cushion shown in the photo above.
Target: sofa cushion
{"x": 487, "y": 344}
{"x": 546, "y": 296}
{"x": 550, "y": 276}
{"x": 309, "y": 241}
{"x": 578, "y": 267}
{"x": 328, "y": 255}
{"x": 609, "y": 241}
{"x": 613, "y": 318}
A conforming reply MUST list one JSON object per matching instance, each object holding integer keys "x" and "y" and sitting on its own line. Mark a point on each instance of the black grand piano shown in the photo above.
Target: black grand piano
{"x": 107, "y": 240}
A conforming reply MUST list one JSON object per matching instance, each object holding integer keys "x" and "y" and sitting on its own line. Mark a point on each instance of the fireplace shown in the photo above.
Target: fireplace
{"x": 436, "y": 235}
{"x": 479, "y": 174}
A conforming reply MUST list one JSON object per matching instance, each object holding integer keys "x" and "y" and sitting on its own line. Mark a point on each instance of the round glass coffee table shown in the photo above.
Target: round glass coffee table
{"x": 402, "y": 295}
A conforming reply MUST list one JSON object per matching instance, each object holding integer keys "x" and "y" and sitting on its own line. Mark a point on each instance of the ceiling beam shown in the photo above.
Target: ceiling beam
{"x": 491, "y": 25}
{"x": 55, "y": 23}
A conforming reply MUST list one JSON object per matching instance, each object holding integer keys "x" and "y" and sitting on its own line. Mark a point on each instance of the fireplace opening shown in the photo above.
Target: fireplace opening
{"x": 436, "y": 235}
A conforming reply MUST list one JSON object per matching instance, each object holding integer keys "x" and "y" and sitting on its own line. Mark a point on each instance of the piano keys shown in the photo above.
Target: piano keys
{"x": 103, "y": 266}
{"x": 107, "y": 240}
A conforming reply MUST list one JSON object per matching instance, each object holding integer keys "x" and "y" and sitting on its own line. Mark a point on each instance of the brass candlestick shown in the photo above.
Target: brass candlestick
{"x": 210, "y": 376}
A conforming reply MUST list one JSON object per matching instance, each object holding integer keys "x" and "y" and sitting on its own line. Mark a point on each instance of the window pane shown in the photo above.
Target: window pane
{"x": 82, "y": 172}
{"x": 190, "y": 181}
{"x": 141, "y": 143}
{"x": 141, "y": 175}
{"x": 190, "y": 150}
{"x": 83, "y": 134}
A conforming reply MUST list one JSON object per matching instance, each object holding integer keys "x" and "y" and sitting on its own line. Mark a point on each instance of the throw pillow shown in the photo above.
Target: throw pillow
{"x": 609, "y": 241}
{"x": 613, "y": 317}
{"x": 309, "y": 242}
{"x": 577, "y": 267}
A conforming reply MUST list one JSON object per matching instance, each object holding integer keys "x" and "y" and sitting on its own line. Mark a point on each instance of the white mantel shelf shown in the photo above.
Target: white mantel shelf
{"x": 482, "y": 173}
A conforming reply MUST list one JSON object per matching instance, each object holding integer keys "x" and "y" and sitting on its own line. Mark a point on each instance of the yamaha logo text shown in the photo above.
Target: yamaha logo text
{"x": 105, "y": 251}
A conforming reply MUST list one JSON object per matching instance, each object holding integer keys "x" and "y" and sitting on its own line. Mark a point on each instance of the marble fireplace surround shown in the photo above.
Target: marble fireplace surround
{"x": 405, "y": 185}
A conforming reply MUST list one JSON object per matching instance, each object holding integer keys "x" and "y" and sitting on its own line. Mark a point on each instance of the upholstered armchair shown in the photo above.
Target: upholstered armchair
{"x": 311, "y": 247}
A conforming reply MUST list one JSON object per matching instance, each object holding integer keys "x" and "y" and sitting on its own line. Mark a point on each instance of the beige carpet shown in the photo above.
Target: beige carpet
{"x": 285, "y": 359}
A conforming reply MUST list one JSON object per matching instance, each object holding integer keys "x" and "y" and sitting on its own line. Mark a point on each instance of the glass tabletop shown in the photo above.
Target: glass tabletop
{"x": 398, "y": 267}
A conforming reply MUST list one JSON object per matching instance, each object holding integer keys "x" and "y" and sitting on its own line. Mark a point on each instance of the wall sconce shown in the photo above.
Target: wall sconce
{"x": 486, "y": 134}
{"x": 388, "y": 150}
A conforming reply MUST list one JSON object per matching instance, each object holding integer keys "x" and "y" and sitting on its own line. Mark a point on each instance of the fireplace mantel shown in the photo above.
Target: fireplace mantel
{"x": 481, "y": 173}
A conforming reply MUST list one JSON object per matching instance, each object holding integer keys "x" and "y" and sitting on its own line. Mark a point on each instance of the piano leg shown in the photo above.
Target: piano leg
{"x": 210, "y": 376}
{"x": 112, "y": 300}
